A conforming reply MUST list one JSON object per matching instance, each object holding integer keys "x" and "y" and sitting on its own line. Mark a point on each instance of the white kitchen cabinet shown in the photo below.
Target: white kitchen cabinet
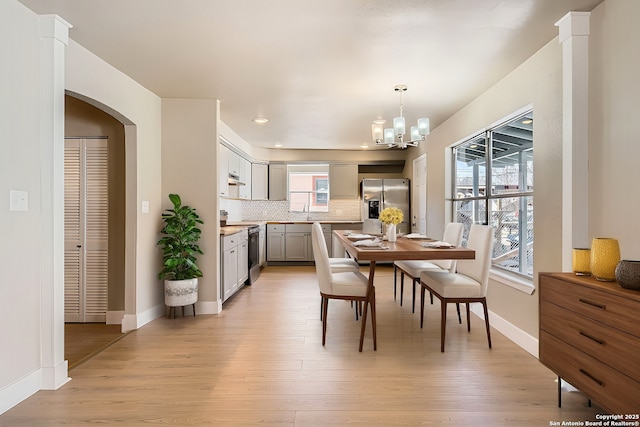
{"x": 235, "y": 263}
{"x": 259, "y": 181}
{"x": 223, "y": 170}
{"x": 326, "y": 230}
{"x": 278, "y": 181}
{"x": 243, "y": 260}
{"x": 343, "y": 181}
{"x": 262, "y": 242}
{"x": 275, "y": 242}
{"x": 234, "y": 163}
{"x": 337, "y": 249}
{"x": 244, "y": 192}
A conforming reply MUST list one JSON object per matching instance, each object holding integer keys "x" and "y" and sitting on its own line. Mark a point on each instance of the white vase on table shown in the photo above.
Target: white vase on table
{"x": 391, "y": 232}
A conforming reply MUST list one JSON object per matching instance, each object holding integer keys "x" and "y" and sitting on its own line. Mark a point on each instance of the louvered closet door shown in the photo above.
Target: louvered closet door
{"x": 86, "y": 230}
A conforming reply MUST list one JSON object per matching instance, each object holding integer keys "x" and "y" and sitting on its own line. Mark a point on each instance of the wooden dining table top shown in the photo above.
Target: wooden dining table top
{"x": 402, "y": 249}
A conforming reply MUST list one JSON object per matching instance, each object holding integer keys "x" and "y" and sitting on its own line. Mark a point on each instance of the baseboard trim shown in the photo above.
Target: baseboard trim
{"x": 524, "y": 340}
{"x": 115, "y": 317}
{"x": 22, "y": 389}
{"x": 136, "y": 321}
{"x": 209, "y": 307}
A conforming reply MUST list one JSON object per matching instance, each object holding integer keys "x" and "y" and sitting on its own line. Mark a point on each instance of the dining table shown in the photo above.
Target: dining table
{"x": 376, "y": 249}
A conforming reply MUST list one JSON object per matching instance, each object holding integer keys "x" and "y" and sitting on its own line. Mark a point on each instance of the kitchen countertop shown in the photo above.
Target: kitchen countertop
{"x": 234, "y": 227}
{"x": 321, "y": 222}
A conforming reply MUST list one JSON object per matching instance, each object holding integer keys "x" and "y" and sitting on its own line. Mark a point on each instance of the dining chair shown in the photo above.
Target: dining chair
{"x": 338, "y": 265}
{"x": 468, "y": 284}
{"x": 344, "y": 285}
{"x": 412, "y": 269}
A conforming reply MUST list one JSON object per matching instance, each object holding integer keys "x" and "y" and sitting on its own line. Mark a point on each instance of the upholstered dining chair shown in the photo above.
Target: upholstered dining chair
{"x": 468, "y": 284}
{"x": 338, "y": 265}
{"x": 344, "y": 285}
{"x": 412, "y": 269}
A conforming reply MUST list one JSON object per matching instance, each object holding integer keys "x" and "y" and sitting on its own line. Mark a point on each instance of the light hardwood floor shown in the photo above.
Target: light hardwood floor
{"x": 261, "y": 362}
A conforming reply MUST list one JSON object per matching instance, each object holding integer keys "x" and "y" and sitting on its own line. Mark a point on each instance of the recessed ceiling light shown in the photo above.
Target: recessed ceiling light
{"x": 260, "y": 120}
{"x": 379, "y": 121}
{"x": 277, "y": 144}
{"x": 527, "y": 121}
{"x": 364, "y": 146}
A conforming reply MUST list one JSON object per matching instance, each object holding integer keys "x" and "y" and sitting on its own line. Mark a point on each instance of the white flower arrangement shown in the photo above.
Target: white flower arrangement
{"x": 391, "y": 216}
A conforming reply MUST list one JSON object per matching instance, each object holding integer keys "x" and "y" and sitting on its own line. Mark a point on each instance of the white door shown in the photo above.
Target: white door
{"x": 85, "y": 229}
{"x": 419, "y": 199}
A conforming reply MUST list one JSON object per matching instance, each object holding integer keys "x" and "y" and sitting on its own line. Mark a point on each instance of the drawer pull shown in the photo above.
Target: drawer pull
{"x": 599, "y": 341}
{"x": 594, "y": 304}
{"x": 600, "y": 383}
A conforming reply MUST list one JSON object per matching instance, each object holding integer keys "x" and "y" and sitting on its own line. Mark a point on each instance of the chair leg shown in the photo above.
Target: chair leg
{"x": 413, "y": 298}
{"x": 422, "y": 290}
{"x": 458, "y": 310}
{"x": 431, "y": 297}
{"x": 356, "y": 304}
{"x": 321, "y": 305}
{"x": 468, "y": 319}
{"x": 364, "y": 324}
{"x": 443, "y": 323}
{"x": 401, "y": 287}
{"x": 373, "y": 321}
{"x": 486, "y": 320}
{"x": 395, "y": 280}
{"x": 194, "y": 309}
{"x": 325, "y": 305}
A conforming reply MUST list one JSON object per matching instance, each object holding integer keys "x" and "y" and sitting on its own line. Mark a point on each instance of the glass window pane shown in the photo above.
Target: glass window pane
{"x": 308, "y": 191}
{"x": 512, "y": 156}
{"x": 473, "y": 211}
{"x": 505, "y": 207}
{"x": 513, "y": 220}
{"x": 471, "y": 168}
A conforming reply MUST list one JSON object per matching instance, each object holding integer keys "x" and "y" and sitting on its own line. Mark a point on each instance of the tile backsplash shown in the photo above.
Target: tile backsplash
{"x": 277, "y": 210}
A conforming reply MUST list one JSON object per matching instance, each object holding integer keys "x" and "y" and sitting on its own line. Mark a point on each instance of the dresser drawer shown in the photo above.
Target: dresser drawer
{"x": 610, "y": 346}
{"x": 599, "y": 305}
{"x": 613, "y": 390}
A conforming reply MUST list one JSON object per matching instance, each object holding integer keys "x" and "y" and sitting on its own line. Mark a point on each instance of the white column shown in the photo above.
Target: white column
{"x": 53, "y": 40}
{"x": 574, "y": 36}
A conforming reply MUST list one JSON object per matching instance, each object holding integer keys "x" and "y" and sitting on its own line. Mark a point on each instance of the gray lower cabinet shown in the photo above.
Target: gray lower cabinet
{"x": 275, "y": 242}
{"x": 297, "y": 246}
{"x": 235, "y": 263}
{"x": 293, "y": 242}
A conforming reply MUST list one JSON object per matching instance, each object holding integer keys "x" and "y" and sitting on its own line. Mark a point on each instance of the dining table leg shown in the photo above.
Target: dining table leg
{"x": 369, "y": 298}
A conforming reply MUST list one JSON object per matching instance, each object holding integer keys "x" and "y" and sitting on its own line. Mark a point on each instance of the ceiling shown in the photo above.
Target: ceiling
{"x": 320, "y": 70}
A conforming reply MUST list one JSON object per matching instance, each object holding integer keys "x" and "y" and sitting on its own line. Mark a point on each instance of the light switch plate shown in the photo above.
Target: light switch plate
{"x": 18, "y": 201}
{"x": 145, "y": 206}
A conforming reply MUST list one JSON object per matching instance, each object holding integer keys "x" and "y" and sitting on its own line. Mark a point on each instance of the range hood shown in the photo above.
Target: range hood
{"x": 235, "y": 180}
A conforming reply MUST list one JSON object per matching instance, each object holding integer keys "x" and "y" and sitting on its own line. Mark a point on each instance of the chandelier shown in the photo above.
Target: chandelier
{"x": 394, "y": 137}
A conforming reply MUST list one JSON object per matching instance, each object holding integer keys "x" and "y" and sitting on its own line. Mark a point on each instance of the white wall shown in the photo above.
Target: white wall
{"x": 111, "y": 90}
{"x": 22, "y": 232}
{"x": 189, "y": 168}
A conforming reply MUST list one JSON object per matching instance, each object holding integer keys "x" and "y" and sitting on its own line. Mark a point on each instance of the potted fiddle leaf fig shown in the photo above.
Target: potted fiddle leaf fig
{"x": 180, "y": 248}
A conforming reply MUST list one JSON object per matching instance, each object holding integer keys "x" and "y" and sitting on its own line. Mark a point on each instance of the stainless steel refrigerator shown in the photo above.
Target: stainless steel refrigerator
{"x": 378, "y": 194}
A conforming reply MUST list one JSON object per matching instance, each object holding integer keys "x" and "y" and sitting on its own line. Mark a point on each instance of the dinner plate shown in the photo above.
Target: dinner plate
{"x": 360, "y": 236}
{"x": 409, "y": 236}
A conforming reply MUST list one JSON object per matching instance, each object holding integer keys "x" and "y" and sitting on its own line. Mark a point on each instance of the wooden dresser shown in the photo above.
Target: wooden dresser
{"x": 590, "y": 337}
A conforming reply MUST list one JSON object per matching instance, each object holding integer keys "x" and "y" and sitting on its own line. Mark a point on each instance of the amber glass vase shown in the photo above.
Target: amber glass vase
{"x": 582, "y": 261}
{"x": 605, "y": 255}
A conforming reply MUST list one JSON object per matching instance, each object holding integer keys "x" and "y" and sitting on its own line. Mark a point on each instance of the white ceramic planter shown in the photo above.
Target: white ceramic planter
{"x": 178, "y": 293}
